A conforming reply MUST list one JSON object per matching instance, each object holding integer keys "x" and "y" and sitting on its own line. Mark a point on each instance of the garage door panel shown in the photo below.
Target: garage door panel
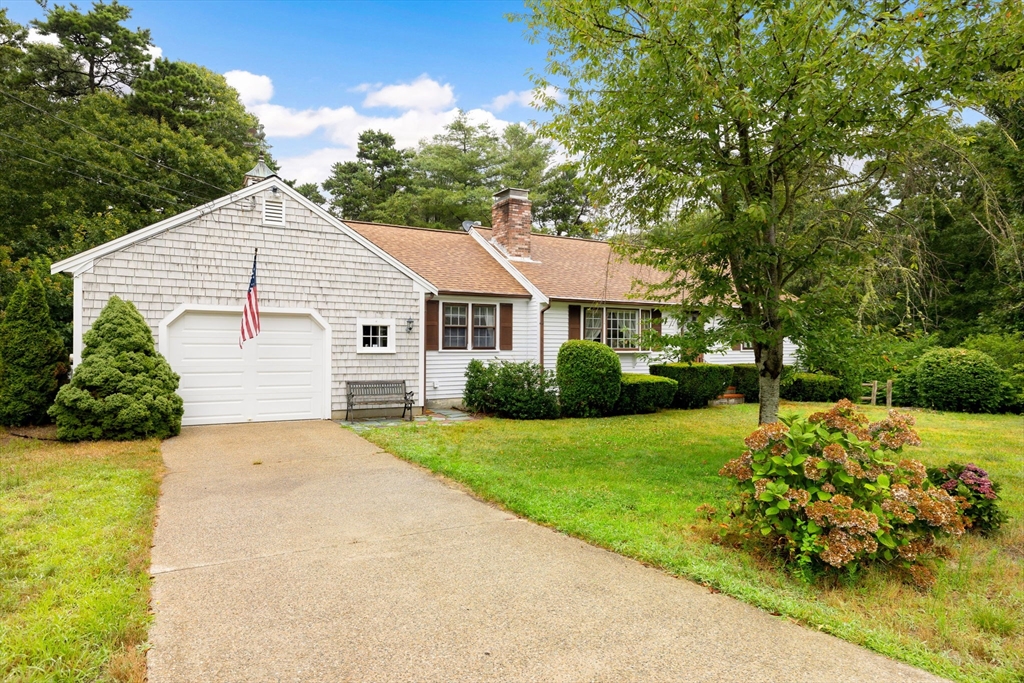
{"x": 284, "y": 408}
{"x": 284, "y": 380}
{"x": 205, "y": 350}
{"x": 197, "y": 381}
{"x": 278, "y": 375}
{"x": 271, "y": 351}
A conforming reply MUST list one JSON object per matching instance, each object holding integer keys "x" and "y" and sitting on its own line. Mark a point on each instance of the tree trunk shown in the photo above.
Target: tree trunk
{"x": 769, "y": 365}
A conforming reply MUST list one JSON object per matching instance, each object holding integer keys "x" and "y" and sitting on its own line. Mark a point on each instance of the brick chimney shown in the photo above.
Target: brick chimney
{"x": 512, "y": 222}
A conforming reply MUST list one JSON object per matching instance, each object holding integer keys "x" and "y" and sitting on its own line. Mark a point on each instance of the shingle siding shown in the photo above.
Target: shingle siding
{"x": 307, "y": 263}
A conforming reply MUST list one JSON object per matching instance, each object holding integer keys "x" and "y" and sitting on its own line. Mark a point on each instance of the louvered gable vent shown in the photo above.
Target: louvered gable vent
{"x": 273, "y": 211}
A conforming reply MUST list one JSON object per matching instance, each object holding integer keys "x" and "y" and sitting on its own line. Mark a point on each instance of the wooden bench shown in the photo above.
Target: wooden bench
{"x": 378, "y": 393}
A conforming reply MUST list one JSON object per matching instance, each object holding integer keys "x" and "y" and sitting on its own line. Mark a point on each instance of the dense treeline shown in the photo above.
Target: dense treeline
{"x": 450, "y": 178}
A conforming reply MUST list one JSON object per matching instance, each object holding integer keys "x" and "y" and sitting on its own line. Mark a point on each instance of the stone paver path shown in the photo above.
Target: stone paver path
{"x": 330, "y": 560}
{"x": 442, "y": 417}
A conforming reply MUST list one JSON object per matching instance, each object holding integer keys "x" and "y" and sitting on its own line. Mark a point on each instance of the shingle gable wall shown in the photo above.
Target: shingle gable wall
{"x": 308, "y": 263}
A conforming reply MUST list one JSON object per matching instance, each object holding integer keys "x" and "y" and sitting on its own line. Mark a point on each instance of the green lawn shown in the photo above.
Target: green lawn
{"x": 76, "y": 522}
{"x": 631, "y": 484}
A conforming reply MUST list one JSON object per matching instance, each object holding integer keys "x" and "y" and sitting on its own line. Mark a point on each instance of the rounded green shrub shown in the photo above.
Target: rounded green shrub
{"x": 123, "y": 389}
{"x": 644, "y": 394}
{"x": 32, "y": 356}
{"x": 959, "y": 379}
{"x": 589, "y": 378}
{"x": 524, "y": 391}
{"x": 698, "y": 383}
{"x": 812, "y": 387}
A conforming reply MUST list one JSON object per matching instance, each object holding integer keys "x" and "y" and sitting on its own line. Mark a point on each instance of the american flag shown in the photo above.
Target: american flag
{"x": 251, "y": 310}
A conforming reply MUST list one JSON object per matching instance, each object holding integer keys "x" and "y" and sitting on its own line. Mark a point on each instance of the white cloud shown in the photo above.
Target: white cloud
{"x": 423, "y": 94}
{"x": 34, "y": 36}
{"x": 428, "y": 108}
{"x": 154, "y": 53}
{"x": 252, "y": 88}
{"x": 524, "y": 98}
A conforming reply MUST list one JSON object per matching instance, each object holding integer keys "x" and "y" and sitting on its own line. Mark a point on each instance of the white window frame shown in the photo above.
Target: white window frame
{"x": 496, "y": 349}
{"x": 644, "y": 316}
{"x": 379, "y": 322}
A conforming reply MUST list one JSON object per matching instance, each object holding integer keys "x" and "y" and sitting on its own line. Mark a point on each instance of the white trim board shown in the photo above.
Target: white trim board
{"x": 164, "y": 339}
{"x": 83, "y": 261}
{"x": 512, "y": 270}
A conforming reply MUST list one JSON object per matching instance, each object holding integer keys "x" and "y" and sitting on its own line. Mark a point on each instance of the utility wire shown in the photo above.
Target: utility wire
{"x": 87, "y": 178}
{"x": 109, "y": 142}
{"x": 183, "y": 193}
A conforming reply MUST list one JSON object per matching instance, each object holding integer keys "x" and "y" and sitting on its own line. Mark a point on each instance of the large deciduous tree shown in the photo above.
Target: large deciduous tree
{"x": 750, "y": 143}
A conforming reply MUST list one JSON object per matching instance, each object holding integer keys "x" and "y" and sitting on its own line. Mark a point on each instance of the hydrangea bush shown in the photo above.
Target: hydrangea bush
{"x": 974, "y": 485}
{"x": 831, "y": 491}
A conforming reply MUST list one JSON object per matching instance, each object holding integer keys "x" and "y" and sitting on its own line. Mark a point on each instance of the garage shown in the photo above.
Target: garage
{"x": 282, "y": 374}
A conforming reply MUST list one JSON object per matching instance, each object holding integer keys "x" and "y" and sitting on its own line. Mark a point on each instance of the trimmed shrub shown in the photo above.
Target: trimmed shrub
{"x": 32, "y": 356}
{"x": 812, "y": 387}
{"x": 524, "y": 391}
{"x": 698, "y": 382}
{"x": 644, "y": 394}
{"x": 831, "y": 492}
{"x": 589, "y": 378}
{"x": 521, "y": 391}
{"x": 959, "y": 379}
{"x": 123, "y": 389}
{"x": 981, "y": 493}
{"x": 904, "y": 387}
{"x": 747, "y": 381}
{"x": 478, "y": 395}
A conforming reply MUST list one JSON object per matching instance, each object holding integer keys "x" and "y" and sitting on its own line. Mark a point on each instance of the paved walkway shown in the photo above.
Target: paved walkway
{"x": 333, "y": 561}
{"x": 442, "y": 417}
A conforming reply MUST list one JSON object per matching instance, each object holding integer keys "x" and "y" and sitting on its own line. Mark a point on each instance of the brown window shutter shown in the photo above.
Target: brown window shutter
{"x": 574, "y": 322}
{"x": 656, "y": 320}
{"x": 737, "y": 347}
{"x": 505, "y": 343}
{"x": 430, "y": 325}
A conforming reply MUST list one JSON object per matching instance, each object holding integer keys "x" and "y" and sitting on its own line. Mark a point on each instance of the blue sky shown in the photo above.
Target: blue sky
{"x": 317, "y": 73}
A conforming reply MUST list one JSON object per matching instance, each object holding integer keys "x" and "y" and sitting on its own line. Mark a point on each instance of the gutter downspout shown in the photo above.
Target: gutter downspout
{"x": 545, "y": 308}
{"x": 423, "y": 345}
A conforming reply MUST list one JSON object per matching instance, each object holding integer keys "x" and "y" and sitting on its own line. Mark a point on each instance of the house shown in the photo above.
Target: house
{"x": 346, "y": 300}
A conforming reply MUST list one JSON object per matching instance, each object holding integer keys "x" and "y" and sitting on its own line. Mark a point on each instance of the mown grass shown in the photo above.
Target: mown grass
{"x": 632, "y": 484}
{"x": 76, "y": 523}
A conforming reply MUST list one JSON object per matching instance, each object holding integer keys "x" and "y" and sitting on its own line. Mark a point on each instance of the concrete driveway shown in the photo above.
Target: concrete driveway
{"x": 334, "y": 561}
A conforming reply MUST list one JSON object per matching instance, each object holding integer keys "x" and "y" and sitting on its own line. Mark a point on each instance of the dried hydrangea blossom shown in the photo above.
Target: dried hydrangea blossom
{"x": 811, "y": 470}
{"x": 738, "y": 468}
{"x": 834, "y": 453}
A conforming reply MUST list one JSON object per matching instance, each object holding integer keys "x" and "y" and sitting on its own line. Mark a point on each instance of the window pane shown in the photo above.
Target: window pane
{"x": 455, "y": 337}
{"x": 483, "y": 316}
{"x": 483, "y": 337}
{"x": 375, "y": 337}
{"x": 593, "y": 324}
{"x": 623, "y": 328}
{"x": 455, "y": 314}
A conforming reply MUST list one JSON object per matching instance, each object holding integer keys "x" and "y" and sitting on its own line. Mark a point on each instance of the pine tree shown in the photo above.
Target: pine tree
{"x": 32, "y": 356}
{"x": 123, "y": 389}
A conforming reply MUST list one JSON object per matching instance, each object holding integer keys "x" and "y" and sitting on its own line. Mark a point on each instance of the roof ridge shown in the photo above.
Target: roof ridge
{"x": 560, "y": 237}
{"x": 455, "y": 231}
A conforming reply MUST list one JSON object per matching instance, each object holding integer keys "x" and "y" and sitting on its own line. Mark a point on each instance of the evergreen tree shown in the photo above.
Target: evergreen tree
{"x": 32, "y": 356}
{"x": 123, "y": 389}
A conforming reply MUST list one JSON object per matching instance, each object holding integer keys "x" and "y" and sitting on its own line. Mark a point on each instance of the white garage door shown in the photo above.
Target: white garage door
{"x": 279, "y": 375}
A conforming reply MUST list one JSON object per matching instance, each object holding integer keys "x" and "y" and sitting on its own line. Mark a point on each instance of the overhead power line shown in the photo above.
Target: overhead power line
{"x": 110, "y": 142}
{"x": 84, "y": 177}
{"x": 182, "y": 193}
